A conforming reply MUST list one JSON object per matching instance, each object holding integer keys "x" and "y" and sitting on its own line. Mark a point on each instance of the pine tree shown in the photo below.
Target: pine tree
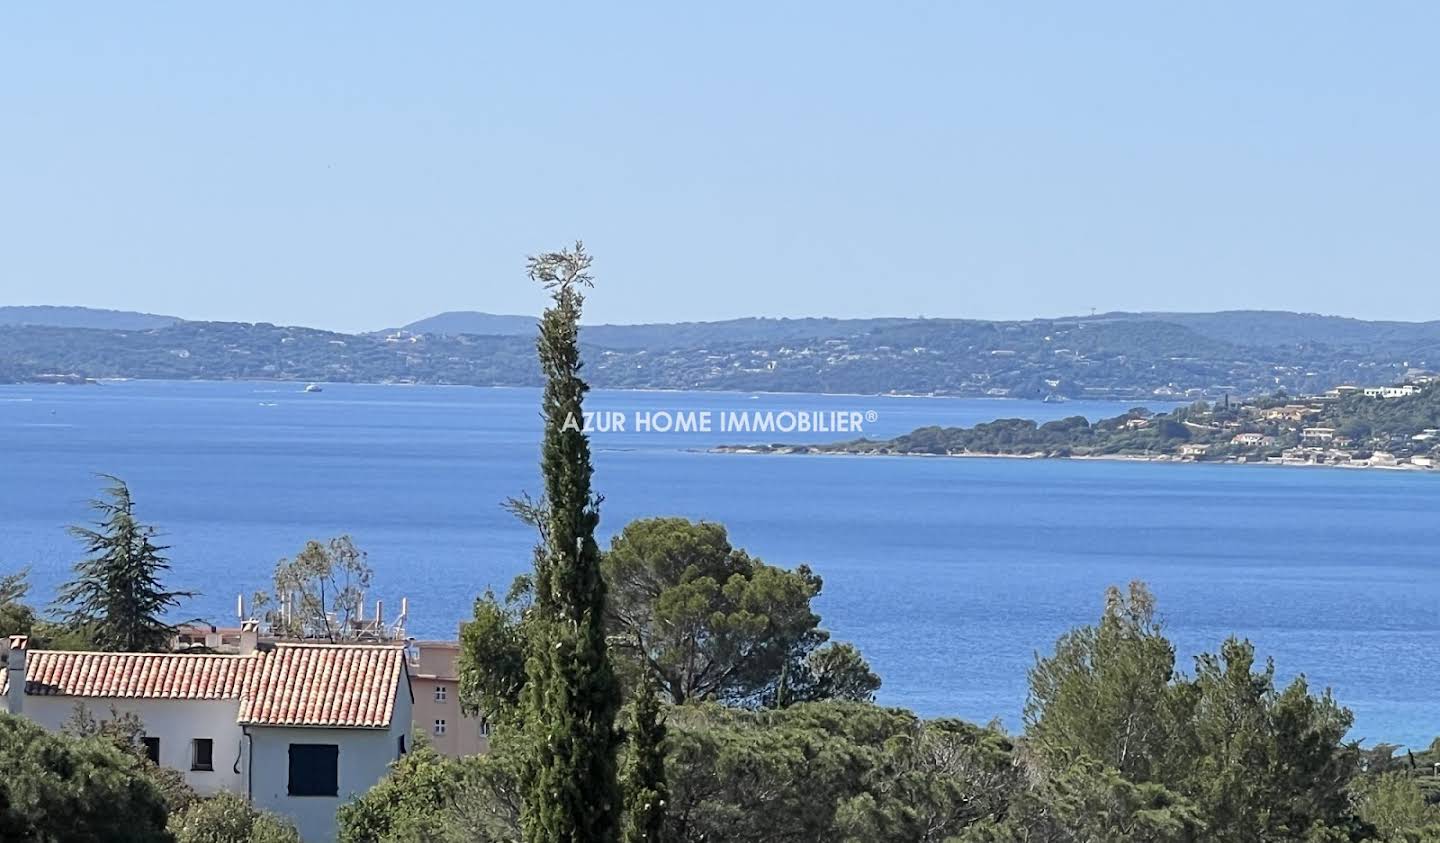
{"x": 571, "y": 694}
{"x": 116, "y": 598}
{"x": 645, "y": 792}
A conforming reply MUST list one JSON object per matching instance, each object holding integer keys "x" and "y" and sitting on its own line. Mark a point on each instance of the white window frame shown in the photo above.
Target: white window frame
{"x": 439, "y": 726}
{"x": 442, "y": 694}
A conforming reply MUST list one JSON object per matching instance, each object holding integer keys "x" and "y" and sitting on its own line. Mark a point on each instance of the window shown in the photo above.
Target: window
{"x": 439, "y": 727}
{"x": 440, "y": 693}
{"x": 484, "y": 727}
{"x": 202, "y": 754}
{"x": 314, "y": 769}
{"x": 399, "y": 746}
{"x": 152, "y": 749}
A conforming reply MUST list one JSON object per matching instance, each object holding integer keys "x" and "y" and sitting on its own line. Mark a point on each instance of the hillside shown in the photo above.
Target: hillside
{"x": 1125, "y": 356}
{"x": 1391, "y": 428}
{"x": 758, "y": 331}
{"x": 455, "y": 322}
{"x": 1281, "y": 328}
{"x": 653, "y": 336}
{"x": 83, "y": 317}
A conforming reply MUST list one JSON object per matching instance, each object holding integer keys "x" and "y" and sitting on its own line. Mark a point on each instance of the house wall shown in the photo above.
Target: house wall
{"x": 365, "y": 755}
{"x": 175, "y": 722}
{"x": 434, "y": 666}
{"x": 365, "y": 758}
{"x": 462, "y": 732}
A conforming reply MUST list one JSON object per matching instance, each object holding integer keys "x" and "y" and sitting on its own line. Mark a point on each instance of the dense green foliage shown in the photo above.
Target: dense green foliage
{"x": 59, "y": 789}
{"x": 1252, "y": 762}
{"x": 829, "y": 771}
{"x": 1119, "y": 745}
{"x": 812, "y": 772}
{"x": 123, "y": 731}
{"x": 429, "y": 798}
{"x": 705, "y": 619}
{"x": 710, "y": 622}
{"x": 406, "y": 805}
{"x": 190, "y": 817}
{"x": 227, "y": 818}
{"x": 1396, "y": 806}
{"x": 1123, "y": 747}
{"x": 491, "y": 663}
{"x": 117, "y": 598}
{"x": 571, "y": 693}
{"x": 16, "y": 618}
{"x": 646, "y": 793}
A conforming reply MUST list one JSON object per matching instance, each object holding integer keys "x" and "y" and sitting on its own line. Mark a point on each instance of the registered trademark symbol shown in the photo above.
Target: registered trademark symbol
{"x": 871, "y": 416}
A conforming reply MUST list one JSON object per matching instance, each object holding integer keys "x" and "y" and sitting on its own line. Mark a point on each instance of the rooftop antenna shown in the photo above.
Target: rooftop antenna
{"x": 404, "y": 616}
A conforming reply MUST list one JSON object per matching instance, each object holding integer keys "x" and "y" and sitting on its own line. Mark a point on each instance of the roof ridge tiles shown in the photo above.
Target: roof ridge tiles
{"x": 291, "y": 684}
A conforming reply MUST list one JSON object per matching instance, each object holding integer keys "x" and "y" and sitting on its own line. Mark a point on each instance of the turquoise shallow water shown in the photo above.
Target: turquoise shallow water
{"x": 948, "y": 573}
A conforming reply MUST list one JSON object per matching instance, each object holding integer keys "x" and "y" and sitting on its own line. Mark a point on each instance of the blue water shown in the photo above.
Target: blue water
{"x": 948, "y": 573}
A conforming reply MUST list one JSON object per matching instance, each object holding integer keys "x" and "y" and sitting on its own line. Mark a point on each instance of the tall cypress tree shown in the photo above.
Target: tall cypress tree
{"x": 646, "y": 794}
{"x": 117, "y": 598}
{"x": 571, "y": 696}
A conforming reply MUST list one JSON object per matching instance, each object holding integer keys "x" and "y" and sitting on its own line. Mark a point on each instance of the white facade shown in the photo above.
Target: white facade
{"x": 348, "y": 709}
{"x": 365, "y": 756}
{"x": 177, "y": 723}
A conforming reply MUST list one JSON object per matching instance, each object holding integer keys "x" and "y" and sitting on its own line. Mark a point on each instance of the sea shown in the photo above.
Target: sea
{"x": 950, "y": 574}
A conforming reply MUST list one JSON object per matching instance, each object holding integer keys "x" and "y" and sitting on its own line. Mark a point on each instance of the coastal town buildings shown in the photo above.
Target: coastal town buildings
{"x": 436, "y": 679}
{"x": 1402, "y": 391}
{"x": 295, "y": 728}
{"x": 1290, "y": 412}
{"x": 433, "y": 668}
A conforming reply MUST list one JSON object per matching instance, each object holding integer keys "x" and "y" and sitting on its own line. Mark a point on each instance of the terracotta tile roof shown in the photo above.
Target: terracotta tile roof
{"x": 163, "y": 676}
{"x": 345, "y": 685}
{"x": 324, "y": 685}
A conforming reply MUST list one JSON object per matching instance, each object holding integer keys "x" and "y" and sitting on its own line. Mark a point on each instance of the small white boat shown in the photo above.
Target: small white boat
{"x": 314, "y": 387}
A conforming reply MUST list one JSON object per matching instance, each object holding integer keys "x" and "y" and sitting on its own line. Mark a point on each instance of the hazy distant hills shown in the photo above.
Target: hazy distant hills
{"x": 1240, "y": 327}
{"x": 83, "y": 317}
{"x": 1111, "y": 355}
{"x": 473, "y": 322}
{"x": 1278, "y": 328}
{"x": 656, "y": 335}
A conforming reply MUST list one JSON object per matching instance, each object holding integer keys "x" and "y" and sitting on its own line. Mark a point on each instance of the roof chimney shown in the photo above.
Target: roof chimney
{"x": 249, "y": 637}
{"x": 12, "y": 652}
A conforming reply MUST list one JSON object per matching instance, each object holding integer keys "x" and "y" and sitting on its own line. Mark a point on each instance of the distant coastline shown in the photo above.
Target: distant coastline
{"x": 802, "y": 450}
{"x": 1395, "y": 427}
{"x": 1115, "y": 356}
{"x": 999, "y": 399}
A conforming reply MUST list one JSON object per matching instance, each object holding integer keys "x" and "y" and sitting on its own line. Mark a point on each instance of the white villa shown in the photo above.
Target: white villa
{"x": 1402, "y": 391}
{"x": 296, "y": 729}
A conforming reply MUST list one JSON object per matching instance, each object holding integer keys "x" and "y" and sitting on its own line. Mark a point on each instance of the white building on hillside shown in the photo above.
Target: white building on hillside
{"x": 297, "y": 729}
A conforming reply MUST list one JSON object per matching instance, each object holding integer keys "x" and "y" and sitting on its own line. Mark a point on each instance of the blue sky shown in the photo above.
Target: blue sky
{"x": 359, "y": 165}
